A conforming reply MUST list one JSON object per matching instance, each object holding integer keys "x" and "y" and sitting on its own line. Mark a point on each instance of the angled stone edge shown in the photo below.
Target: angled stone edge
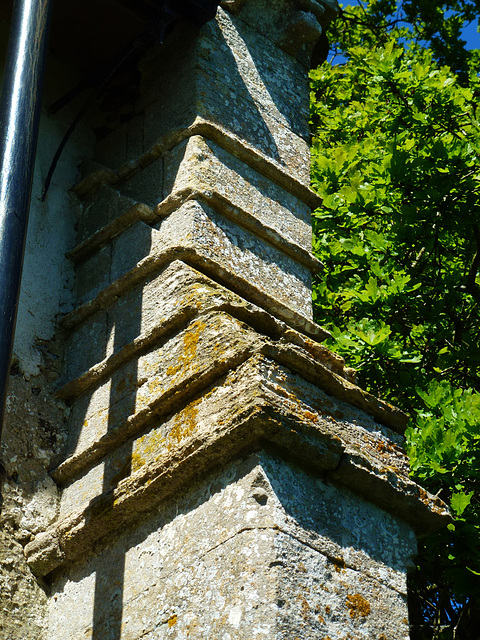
{"x": 300, "y": 353}
{"x": 184, "y": 293}
{"x": 223, "y": 205}
{"x": 273, "y": 414}
{"x": 138, "y": 211}
{"x": 161, "y": 256}
{"x": 173, "y": 201}
{"x": 292, "y": 352}
{"x": 335, "y": 385}
{"x": 225, "y": 139}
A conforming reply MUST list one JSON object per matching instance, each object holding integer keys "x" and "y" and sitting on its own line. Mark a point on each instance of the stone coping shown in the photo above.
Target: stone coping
{"x": 211, "y": 131}
{"x": 268, "y": 413}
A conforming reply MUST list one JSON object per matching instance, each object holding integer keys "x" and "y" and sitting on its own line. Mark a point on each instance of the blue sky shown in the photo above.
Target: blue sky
{"x": 471, "y": 35}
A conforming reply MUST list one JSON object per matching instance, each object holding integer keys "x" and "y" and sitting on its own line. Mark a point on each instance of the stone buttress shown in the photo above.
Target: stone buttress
{"x": 224, "y": 477}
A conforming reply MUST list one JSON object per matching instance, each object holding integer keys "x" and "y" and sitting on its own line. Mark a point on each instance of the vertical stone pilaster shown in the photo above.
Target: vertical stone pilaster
{"x": 224, "y": 478}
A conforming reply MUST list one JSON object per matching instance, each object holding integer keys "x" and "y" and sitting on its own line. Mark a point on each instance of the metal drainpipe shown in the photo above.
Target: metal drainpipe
{"x": 20, "y": 105}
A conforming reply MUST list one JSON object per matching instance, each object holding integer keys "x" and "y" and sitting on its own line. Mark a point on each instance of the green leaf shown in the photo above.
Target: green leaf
{"x": 460, "y": 501}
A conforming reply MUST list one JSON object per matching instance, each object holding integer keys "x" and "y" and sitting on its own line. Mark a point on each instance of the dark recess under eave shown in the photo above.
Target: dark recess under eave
{"x": 89, "y": 33}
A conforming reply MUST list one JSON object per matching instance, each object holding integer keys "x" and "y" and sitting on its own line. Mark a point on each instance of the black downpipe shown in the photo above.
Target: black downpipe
{"x": 20, "y": 105}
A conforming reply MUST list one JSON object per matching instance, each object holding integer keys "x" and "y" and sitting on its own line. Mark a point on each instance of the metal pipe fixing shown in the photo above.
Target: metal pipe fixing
{"x": 20, "y": 105}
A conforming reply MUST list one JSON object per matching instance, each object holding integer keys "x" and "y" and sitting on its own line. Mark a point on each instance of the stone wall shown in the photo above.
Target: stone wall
{"x": 35, "y": 424}
{"x": 222, "y": 475}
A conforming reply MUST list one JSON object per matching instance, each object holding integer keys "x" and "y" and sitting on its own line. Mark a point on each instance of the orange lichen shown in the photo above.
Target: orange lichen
{"x": 310, "y": 416}
{"x": 172, "y": 621}
{"x": 147, "y": 448}
{"x": 305, "y": 606}
{"x": 185, "y": 423}
{"x": 359, "y": 607}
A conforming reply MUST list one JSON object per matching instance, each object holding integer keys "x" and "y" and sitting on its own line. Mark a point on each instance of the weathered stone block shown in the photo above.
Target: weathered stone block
{"x": 129, "y": 248}
{"x": 102, "y": 208}
{"x": 261, "y": 550}
{"x": 201, "y": 166}
{"x": 89, "y": 343}
{"x": 197, "y": 233}
{"x": 112, "y": 149}
{"x": 249, "y": 97}
{"x": 149, "y": 383}
{"x": 259, "y": 401}
{"x": 234, "y": 251}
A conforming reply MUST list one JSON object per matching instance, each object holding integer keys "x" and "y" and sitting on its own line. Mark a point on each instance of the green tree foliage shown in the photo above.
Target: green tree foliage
{"x": 396, "y": 158}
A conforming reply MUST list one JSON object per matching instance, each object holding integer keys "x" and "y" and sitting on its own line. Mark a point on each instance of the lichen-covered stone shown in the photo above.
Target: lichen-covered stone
{"x": 33, "y": 436}
{"x": 261, "y": 550}
{"x": 198, "y": 234}
{"x": 237, "y": 79}
{"x": 199, "y": 165}
{"x": 257, "y": 402}
{"x": 224, "y": 477}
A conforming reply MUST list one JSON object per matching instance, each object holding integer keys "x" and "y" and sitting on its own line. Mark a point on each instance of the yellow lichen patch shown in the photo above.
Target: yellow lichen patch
{"x": 359, "y": 607}
{"x": 172, "y": 621}
{"x": 305, "y": 607}
{"x": 197, "y": 292}
{"x": 185, "y": 423}
{"x": 137, "y": 462}
{"x": 191, "y": 338}
{"x": 147, "y": 448}
{"x": 173, "y": 370}
{"x": 313, "y": 417}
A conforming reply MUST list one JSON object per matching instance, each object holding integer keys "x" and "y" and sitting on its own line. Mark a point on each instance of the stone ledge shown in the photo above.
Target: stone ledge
{"x": 243, "y": 219}
{"x": 211, "y": 131}
{"x": 137, "y": 212}
{"x": 199, "y": 296}
{"x": 161, "y": 256}
{"x": 218, "y": 202}
{"x": 174, "y": 391}
{"x": 273, "y": 413}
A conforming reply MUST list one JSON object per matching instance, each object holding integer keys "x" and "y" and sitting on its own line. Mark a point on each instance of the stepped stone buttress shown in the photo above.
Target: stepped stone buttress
{"x": 224, "y": 477}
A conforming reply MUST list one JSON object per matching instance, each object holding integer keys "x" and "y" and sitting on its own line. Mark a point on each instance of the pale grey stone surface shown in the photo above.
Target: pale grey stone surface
{"x": 200, "y": 165}
{"x": 198, "y": 401}
{"x": 215, "y": 244}
{"x": 263, "y": 550}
